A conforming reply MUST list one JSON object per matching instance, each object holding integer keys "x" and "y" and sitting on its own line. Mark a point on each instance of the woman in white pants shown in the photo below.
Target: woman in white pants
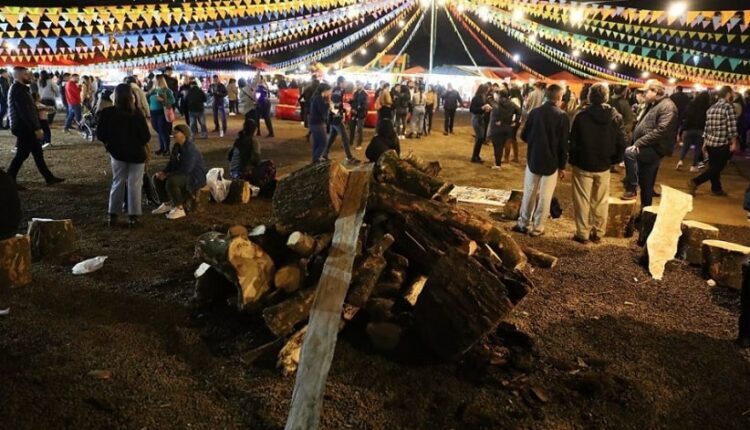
{"x": 418, "y": 112}
{"x": 125, "y": 134}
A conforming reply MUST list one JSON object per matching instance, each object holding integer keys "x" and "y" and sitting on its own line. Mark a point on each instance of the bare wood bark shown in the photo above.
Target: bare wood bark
{"x": 289, "y": 277}
{"x": 52, "y": 238}
{"x": 431, "y": 168}
{"x": 539, "y": 258}
{"x": 391, "y": 169}
{"x": 621, "y": 217}
{"x": 283, "y": 317}
{"x": 239, "y": 192}
{"x": 722, "y": 262}
{"x": 301, "y": 243}
{"x": 15, "y": 261}
{"x": 693, "y": 235}
{"x": 368, "y": 271}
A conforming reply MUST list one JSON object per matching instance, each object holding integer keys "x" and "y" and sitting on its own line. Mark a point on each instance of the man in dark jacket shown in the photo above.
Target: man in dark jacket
{"x": 597, "y": 141}
{"x": 195, "y": 102}
{"x": 337, "y": 120}
{"x": 219, "y": 93}
{"x": 317, "y": 118}
{"x": 653, "y": 138}
{"x": 4, "y": 88}
{"x": 24, "y": 124}
{"x": 359, "y": 105}
{"x": 504, "y": 117}
{"x": 451, "y": 102}
{"x": 546, "y": 133}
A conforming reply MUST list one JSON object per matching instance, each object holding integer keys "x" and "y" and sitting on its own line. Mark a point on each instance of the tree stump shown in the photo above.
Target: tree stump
{"x": 691, "y": 241}
{"x": 310, "y": 198}
{"x": 15, "y": 261}
{"x": 52, "y": 238}
{"x": 648, "y": 218}
{"x": 460, "y": 303}
{"x": 239, "y": 192}
{"x": 200, "y": 200}
{"x": 621, "y": 217}
{"x": 722, "y": 262}
{"x": 241, "y": 261}
{"x": 512, "y": 208}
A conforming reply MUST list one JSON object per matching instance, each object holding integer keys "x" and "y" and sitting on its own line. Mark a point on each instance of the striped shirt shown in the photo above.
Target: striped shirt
{"x": 721, "y": 124}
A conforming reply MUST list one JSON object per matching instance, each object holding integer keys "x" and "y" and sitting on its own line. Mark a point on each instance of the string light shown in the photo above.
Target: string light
{"x": 518, "y": 14}
{"x": 381, "y": 39}
{"x": 516, "y": 58}
{"x": 401, "y": 23}
{"x": 645, "y": 75}
{"x": 677, "y": 9}
{"x": 460, "y": 8}
{"x": 532, "y": 38}
{"x": 576, "y": 53}
{"x": 363, "y": 51}
{"x": 612, "y": 66}
{"x": 576, "y": 16}
{"x": 672, "y": 81}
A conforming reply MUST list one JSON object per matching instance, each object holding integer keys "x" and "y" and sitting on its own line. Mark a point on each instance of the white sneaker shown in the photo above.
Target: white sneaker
{"x": 14, "y": 149}
{"x": 221, "y": 133}
{"x": 497, "y": 168}
{"x": 176, "y": 213}
{"x": 694, "y": 169}
{"x": 679, "y": 165}
{"x": 46, "y": 145}
{"x": 164, "y": 208}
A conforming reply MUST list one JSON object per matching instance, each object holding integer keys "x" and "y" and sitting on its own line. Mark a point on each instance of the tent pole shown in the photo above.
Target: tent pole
{"x": 432, "y": 33}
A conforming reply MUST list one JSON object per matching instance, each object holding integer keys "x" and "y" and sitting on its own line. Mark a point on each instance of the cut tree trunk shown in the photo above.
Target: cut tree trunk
{"x": 539, "y": 258}
{"x": 691, "y": 241}
{"x": 289, "y": 278}
{"x": 722, "y": 262}
{"x": 52, "y": 238}
{"x": 512, "y": 208}
{"x": 239, "y": 192}
{"x": 241, "y": 261}
{"x": 283, "y": 317}
{"x": 290, "y": 352}
{"x": 301, "y": 243}
{"x": 15, "y": 261}
{"x": 621, "y": 217}
{"x": 391, "y": 169}
{"x": 414, "y": 290}
{"x": 460, "y": 303}
{"x": 368, "y": 270}
{"x": 271, "y": 241}
{"x": 431, "y": 168}
{"x": 648, "y": 218}
{"x": 309, "y": 199}
{"x": 200, "y": 200}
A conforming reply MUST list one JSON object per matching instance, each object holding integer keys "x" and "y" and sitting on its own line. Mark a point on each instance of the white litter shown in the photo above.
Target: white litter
{"x": 711, "y": 283}
{"x": 4, "y": 312}
{"x": 90, "y": 265}
{"x": 201, "y": 270}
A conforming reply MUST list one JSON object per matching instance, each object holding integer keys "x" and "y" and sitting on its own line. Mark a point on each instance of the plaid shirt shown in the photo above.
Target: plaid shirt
{"x": 721, "y": 124}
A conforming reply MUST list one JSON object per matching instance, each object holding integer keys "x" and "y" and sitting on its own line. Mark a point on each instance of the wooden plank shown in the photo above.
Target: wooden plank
{"x": 325, "y": 317}
{"x": 662, "y": 242}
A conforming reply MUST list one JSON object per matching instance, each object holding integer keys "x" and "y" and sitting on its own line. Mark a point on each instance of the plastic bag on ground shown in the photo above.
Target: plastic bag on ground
{"x": 90, "y": 265}
{"x": 217, "y": 184}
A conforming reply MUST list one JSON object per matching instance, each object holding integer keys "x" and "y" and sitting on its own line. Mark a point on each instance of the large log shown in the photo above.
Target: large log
{"x": 325, "y": 316}
{"x": 271, "y": 241}
{"x": 722, "y": 262}
{"x": 460, "y": 303}
{"x": 691, "y": 241}
{"x": 289, "y": 278}
{"x": 368, "y": 270}
{"x": 648, "y": 218}
{"x": 283, "y": 317}
{"x": 391, "y": 169}
{"x": 301, "y": 243}
{"x": 15, "y": 261}
{"x": 241, "y": 261}
{"x": 52, "y": 238}
{"x": 431, "y": 168}
{"x": 239, "y": 192}
{"x": 309, "y": 199}
{"x": 512, "y": 208}
{"x": 539, "y": 258}
{"x": 621, "y": 217}
{"x": 441, "y": 216}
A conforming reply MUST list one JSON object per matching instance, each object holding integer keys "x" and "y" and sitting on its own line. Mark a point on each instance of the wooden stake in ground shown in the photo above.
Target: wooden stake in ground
{"x": 15, "y": 261}
{"x": 52, "y": 238}
{"x": 320, "y": 339}
{"x": 662, "y": 242}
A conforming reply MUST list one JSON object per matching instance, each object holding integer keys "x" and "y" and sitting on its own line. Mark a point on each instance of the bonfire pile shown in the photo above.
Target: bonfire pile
{"x": 422, "y": 263}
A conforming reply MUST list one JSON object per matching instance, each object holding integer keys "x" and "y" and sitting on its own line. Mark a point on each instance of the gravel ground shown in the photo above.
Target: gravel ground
{"x": 610, "y": 348}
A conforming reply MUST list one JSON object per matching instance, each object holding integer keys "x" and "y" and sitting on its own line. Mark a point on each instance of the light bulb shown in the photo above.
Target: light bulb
{"x": 363, "y": 51}
{"x": 676, "y": 9}
{"x": 645, "y": 75}
{"x": 576, "y": 16}
{"x": 516, "y": 58}
{"x": 518, "y": 14}
{"x": 576, "y": 53}
{"x": 612, "y": 66}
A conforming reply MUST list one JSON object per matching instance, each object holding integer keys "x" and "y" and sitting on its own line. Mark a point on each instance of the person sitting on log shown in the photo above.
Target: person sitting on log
{"x": 384, "y": 140}
{"x": 10, "y": 216}
{"x": 245, "y": 162}
{"x": 182, "y": 177}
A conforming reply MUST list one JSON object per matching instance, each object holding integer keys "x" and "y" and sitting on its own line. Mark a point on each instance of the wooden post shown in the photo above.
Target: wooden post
{"x": 52, "y": 238}
{"x": 325, "y": 317}
{"x": 15, "y": 261}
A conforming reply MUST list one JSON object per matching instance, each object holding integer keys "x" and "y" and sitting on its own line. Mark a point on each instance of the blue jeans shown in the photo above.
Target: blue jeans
{"x": 162, "y": 128}
{"x": 337, "y": 129}
{"x": 220, "y": 108}
{"x": 74, "y": 112}
{"x": 692, "y": 138}
{"x": 480, "y": 133}
{"x": 198, "y": 119}
{"x": 318, "y": 138}
{"x": 356, "y": 127}
{"x": 126, "y": 177}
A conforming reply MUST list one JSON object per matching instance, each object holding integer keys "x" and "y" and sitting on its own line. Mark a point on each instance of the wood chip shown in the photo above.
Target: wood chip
{"x": 100, "y": 374}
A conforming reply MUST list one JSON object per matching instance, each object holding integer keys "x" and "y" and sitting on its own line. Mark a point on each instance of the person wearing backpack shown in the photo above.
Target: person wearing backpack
{"x": 597, "y": 141}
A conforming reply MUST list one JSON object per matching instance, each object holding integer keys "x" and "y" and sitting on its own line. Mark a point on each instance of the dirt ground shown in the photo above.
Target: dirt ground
{"x": 612, "y": 349}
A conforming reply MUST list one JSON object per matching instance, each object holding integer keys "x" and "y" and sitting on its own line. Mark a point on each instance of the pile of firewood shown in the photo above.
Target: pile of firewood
{"x": 421, "y": 262}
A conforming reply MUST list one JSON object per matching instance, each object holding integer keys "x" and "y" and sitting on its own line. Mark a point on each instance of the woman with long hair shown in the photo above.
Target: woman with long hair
{"x": 385, "y": 139}
{"x": 245, "y": 163}
{"x": 159, "y": 98}
{"x": 48, "y": 93}
{"x": 478, "y": 108}
{"x": 125, "y": 134}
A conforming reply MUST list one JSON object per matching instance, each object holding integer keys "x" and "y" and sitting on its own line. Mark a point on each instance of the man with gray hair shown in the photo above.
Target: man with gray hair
{"x": 25, "y": 125}
{"x": 597, "y": 141}
{"x": 653, "y": 138}
{"x": 546, "y": 133}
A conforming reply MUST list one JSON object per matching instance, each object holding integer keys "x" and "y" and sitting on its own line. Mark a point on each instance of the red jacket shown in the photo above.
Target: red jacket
{"x": 72, "y": 93}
